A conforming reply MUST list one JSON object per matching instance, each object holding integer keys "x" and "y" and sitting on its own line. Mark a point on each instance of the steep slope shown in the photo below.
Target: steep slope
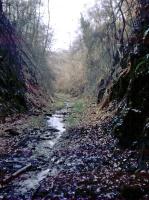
{"x": 132, "y": 87}
{"x": 12, "y": 85}
{"x": 131, "y": 90}
{"x": 20, "y": 90}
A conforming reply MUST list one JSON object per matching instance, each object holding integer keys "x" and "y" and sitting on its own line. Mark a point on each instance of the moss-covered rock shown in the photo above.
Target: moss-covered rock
{"x": 133, "y": 86}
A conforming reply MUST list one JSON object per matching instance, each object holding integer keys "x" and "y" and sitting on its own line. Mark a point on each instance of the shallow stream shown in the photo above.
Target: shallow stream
{"x": 34, "y": 149}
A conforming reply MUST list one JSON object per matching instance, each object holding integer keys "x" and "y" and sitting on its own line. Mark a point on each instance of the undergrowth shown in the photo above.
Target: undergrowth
{"x": 78, "y": 108}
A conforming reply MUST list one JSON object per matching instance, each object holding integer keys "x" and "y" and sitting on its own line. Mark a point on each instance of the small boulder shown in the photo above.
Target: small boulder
{"x": 12, "y": 132}
{"x": 48, "y": 115}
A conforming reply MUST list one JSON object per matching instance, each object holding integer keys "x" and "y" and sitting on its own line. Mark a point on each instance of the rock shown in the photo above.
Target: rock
{"x": 12, "y": 132}
{"x": 64, "y": 113}
{"x": 51, "y": 129}
{"x": 129, "y": 127}
{"x": 48, "y": 115}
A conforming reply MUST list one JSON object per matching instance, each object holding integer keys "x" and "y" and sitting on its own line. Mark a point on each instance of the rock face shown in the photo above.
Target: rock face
{"x": 131, "y": 90}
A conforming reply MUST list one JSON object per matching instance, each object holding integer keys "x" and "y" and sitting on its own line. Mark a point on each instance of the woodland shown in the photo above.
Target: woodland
{"x": 74, "y": 124}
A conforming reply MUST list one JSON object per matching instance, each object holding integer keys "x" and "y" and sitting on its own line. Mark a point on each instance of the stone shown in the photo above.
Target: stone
{"x": 12, "y": 132}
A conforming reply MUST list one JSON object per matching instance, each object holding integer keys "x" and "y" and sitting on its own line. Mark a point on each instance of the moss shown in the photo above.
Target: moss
{"x": 78, "y": 108}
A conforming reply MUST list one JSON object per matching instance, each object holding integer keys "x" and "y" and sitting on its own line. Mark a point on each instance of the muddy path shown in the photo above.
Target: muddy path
{"x": 32, "y": 153}
{"x": 80, "y": 163}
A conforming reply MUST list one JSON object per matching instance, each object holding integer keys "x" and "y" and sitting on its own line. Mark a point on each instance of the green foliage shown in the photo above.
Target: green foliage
{"x": 59, "y": 104}
{"x": 59, "y": 101}
{"x": 78, "y": 108}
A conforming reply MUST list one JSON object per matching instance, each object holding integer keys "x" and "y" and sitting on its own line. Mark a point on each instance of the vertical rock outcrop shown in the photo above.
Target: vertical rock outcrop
{"x": 133, "y": 87}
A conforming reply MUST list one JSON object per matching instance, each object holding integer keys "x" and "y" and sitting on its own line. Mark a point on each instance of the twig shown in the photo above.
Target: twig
{"x": 16, "y": 174}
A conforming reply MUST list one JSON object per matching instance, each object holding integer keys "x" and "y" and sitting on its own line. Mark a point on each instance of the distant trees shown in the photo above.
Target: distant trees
{"x": 69, "y": 69}
{"x": 102, "y": 47}
{"x": 26, "y": 16}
